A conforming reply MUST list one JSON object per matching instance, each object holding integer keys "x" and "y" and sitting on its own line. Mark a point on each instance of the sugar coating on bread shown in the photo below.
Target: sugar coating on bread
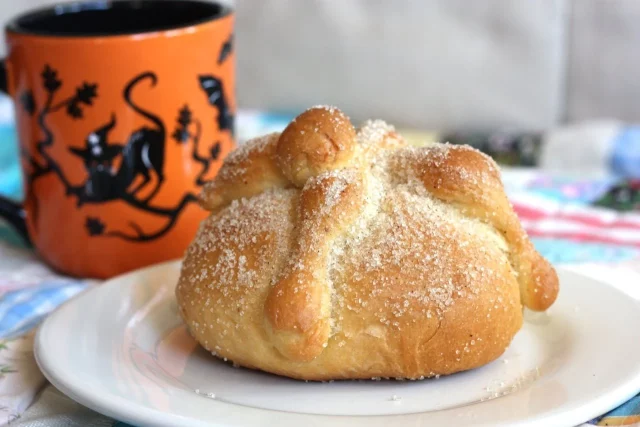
{"x": 336, "y": 253}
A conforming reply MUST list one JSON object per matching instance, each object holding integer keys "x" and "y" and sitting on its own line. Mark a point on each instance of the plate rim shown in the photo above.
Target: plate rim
{"x": 121, "y": 409}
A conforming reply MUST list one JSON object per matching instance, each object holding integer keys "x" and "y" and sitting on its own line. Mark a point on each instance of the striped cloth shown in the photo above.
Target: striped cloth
{"x": 541, "y": 217}
{"x": 22, "y": 309}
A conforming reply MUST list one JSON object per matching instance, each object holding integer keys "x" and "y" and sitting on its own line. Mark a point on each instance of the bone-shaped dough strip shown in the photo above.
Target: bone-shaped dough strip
{"x": 246, "y": 172}
{"x": 298, "y": 306}
{"x": 469, "y": 179}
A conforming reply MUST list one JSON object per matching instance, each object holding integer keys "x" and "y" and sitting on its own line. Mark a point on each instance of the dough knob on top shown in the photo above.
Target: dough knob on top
{"x": 318, "y": 140}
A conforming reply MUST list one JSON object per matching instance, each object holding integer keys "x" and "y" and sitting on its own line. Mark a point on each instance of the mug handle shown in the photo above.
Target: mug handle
{"x": 11, "y": 211}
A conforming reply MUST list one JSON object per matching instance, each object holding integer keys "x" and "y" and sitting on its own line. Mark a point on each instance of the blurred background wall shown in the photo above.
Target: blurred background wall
{"x": 439, "y": 64}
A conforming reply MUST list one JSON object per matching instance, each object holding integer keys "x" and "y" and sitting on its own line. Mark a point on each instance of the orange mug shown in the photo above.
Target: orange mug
{"x": 124, "y": 109}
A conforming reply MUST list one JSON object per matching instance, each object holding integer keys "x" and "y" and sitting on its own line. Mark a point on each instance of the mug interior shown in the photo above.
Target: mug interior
{"x": 105, "y": 18}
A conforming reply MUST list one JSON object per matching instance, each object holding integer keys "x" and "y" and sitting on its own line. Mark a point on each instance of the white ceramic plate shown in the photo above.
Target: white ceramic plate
{"x": 121, "y": 350}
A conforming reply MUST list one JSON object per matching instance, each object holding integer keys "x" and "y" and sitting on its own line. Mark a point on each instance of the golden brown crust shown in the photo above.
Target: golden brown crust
{"x": 335, "y": 255}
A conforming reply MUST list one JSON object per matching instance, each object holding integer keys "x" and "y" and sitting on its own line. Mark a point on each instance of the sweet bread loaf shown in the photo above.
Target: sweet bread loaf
{"x": 336, "y": 253}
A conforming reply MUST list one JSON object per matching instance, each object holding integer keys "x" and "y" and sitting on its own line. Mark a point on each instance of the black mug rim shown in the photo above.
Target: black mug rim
{"x": 218, "y": 10}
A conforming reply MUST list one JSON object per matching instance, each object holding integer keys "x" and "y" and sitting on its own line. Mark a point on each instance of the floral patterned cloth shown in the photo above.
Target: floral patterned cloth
{"x": 20, "y": 378}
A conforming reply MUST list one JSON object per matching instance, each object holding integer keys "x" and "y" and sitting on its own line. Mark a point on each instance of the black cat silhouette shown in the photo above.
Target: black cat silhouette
{"x": 142, "y": 154}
